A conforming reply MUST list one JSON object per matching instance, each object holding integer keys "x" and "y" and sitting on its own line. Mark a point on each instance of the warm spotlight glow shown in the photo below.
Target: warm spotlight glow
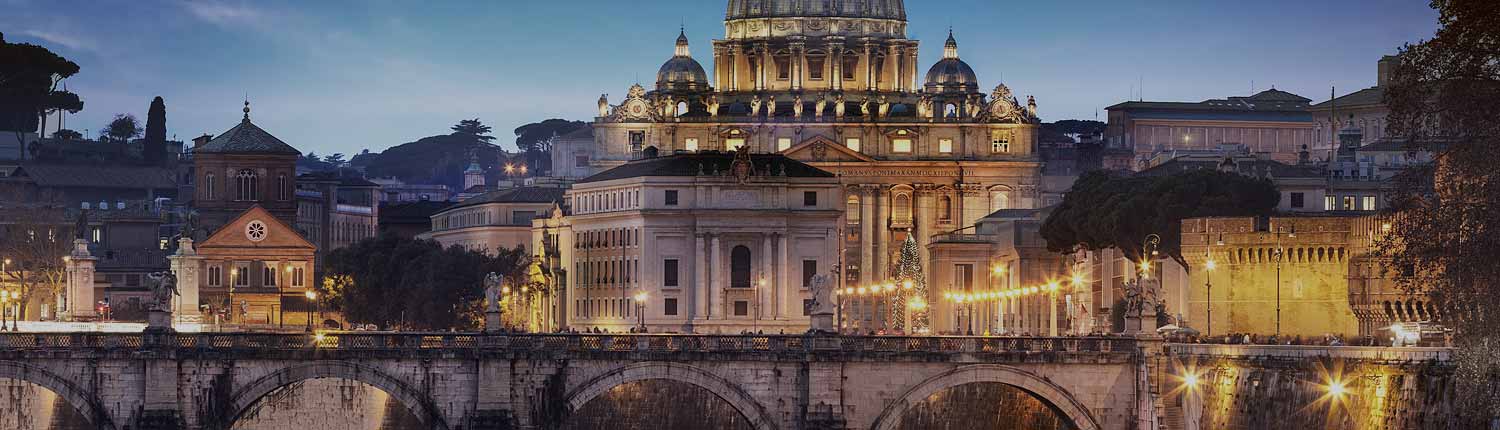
{"x": 1145, "y": 266}
{"x": 918, "y": 304}
{"x": 1211, "y": 265}
{"x": 1052, "y": 287}
{"x": 1077, "y": 280}
{"x": 641, "y": 297}
{"x": 1336, "y": 388}
{"x": 510, "y": 168}
{"x": 907, "y": 285}
{"x": 311, "y": 295}
{"x": 999, "y": 269}
{"x": 1190, "y": 381}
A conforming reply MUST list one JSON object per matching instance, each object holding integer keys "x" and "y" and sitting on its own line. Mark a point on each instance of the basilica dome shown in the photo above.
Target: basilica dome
{"x": 873, "y": 9}
{"x": 682, "y": 72}
{"x": 951, "y": 74}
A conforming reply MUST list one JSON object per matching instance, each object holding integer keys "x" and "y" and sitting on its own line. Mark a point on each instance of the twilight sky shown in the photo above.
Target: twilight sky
{"x": 341, "y": 76}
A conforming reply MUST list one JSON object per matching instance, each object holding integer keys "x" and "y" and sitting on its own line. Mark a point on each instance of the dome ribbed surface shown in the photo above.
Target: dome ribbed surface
{"x": 877, "y": 9}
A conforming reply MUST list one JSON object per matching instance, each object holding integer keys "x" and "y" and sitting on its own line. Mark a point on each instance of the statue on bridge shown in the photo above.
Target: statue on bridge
{"x": 822, "y": 307}
{"x": 163, "y": 289}
{"x": 492, "y": 292}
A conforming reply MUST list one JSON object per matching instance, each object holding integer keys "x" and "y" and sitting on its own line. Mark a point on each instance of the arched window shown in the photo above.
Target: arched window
{"x": 902, "y": 209}
{"x": 999, "y": 200}
{"x": 851, "y": 210}
{"x": 208, "y": 187}
{"x": 945, "y": 208}
{"x": 281, "y": 187}
{"x": 739, "y": 267}
{"x": 245, "y": 186}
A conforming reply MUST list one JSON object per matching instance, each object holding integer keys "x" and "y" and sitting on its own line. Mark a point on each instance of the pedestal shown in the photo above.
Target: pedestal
{"x": 80, "y": 287}
{"x": 1133, "y": 324}
{"x": 492, "y": 321}
{"x": 185, "y": 264}
{"x": 159, "y": 321}
{"x": 823, "y": 323}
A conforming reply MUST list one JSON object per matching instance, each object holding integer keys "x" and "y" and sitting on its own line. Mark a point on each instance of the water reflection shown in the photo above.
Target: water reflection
{"x": 983, "y": 405}
{"x": 657, "y": 404}
{"x": 27, "y": 406}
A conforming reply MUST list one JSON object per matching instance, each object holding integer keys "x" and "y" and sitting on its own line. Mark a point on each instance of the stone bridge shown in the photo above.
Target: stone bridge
{"x": 498, "y": 381}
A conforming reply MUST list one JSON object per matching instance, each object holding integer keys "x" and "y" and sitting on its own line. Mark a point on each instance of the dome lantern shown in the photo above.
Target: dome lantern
{"x": 682, "y": 72}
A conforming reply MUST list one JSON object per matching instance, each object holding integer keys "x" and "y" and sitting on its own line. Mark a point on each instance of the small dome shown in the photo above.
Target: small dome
{"x": 681, "y": 72}
{"x": 951, "y": 74}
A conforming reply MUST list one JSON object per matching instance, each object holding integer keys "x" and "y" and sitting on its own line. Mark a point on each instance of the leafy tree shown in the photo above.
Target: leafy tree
{"x": 29, "y": 75}
{"x": 1077, "y": 127}
{"x": 335, "y": 159}
{"x": 34, "y": 243}
{"x": 474, "y": 129}
{"x": 535, "y": 140}
{"x": 123, "y": 128}
{"x": 66, "y": 134}
{"x": 391, "y": 280}
{"x": 155, "y": 150}
{"x": 1106, "y": 210}
{"x": 1445, "y": 215}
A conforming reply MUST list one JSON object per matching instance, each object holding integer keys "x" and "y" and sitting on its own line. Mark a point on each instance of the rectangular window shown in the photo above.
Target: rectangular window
{"x": 1000, "y": 141}
{"x": 669, "y": 307}
{"x": 215, "y": 276}
{"x": 733, "y": 144}
{"x": 1298, "y": 200}
{"x": 741, "y": 308}
{"x": 241, "y": 276}
{"x": 809, "y": 269}
{"x": 297, "y": 273}
{"x": 901, "y": 145}
{"x": 809, "y": 198}
{"x": 669, "y": 273}
{"x": 1348, "y": 203}
{"x": 963, "y": 275}
{"x": 637, "y": 141}
{"x": 852, "y": 143}
{"x": 580, "y": 161}
{"x": 671, "y": 198}
{"x": 1330, "y": 203}
{"x": 690, "y": 144}
{"x": 1367, "y": 203}
{"x": 783, "y": 144}
{"x": 97, "y": 235}
{"x": 945, "y": 146}
{"x": 268, "y": 274}
{"x": 815, "y": 68}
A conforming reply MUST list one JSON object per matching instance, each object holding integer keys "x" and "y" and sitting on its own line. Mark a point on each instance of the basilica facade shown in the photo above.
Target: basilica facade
{"x": 836, "y": 85}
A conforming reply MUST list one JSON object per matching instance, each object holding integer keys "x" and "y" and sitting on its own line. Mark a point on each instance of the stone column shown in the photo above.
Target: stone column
{"x": 784, "y": 279}
{"x": 768, "y": 294}
{"x": 836, "y": 64}
{"x": 735, "y": 57}
{"x": 185, "y": 265}
{"x": 882, "y": 233}
{"x": 699, "y": 296}
{"x": 763, "y": 52}
{"x": 866, "y": 235}
{"x": 869, "y": 63}
{"x": 798, "y": 65}
{"x": 910, "y": 77}
{"x": 926, "y": 201}
{"x": 1002, "y": 315}
{"x": 80, "y": 268}
{"x": 716, "y": 276}
{"x": 895, "y": 63}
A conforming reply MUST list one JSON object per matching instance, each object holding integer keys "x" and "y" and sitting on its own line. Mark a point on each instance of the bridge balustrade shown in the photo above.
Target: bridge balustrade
{"x": 566, "y": 342}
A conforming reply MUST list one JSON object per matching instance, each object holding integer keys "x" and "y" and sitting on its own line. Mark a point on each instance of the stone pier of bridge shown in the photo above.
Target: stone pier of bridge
{"x": 485, "y": 381}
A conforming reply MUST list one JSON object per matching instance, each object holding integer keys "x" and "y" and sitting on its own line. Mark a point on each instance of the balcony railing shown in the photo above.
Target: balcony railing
{"x": 566, "y": 342}
{"x": 1302, "y": 352}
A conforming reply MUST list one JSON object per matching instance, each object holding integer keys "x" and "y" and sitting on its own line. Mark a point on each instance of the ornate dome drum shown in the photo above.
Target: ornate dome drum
{"x": 753, "y": 19}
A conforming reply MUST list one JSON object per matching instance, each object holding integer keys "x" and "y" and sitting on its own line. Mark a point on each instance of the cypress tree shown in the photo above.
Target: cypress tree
{"x": 155, "y": 150}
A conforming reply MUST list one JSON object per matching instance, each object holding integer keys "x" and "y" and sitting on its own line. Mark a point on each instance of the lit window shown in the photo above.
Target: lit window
{"x": 783, "y": 144}
{"x": 1348, "y": 203}
{"x": 1330, "y": 203}
{"x": 297, "y": 273}
{"x": 734, "y": 144}
{"x": 690, "y": 144}
{"x": 1000, "y": 141}
{"x": 1367, "y": 203}
{"x": 901, "y": 145}
{"x": 945, "y": 146}
{"x": 241, "y": 276}
{"x": 852, "y": 143}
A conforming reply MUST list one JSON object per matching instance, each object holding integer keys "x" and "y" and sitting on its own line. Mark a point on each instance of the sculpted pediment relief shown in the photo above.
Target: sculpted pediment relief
{"x": 823, "y": 149}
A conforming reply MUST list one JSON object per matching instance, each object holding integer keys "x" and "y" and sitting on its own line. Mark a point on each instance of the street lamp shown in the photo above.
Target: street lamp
{"x": 640, "y": 308}
{"x": 4, "y": 308}
{"x": 1208, "y": 282}
{"x": 1291, "y": 233}
{"x": 312, "y": 299}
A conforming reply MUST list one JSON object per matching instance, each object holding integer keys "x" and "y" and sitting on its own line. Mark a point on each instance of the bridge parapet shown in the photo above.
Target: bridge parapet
{"x": 1308, "y": 352}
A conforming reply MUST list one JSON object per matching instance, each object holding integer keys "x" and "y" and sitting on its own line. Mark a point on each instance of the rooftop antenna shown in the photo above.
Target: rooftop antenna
{"x": 1142, "y": 87}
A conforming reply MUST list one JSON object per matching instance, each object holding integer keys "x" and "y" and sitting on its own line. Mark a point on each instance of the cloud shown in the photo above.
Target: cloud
{"x": 222, "y": 13}
{"x": 71, "y": 42}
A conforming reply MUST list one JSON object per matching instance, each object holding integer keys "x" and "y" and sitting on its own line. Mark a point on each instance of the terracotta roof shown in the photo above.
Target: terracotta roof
{"x": 94, "y": 176}
{"x": 1365, "y": 97}
{"x": 515, "y": 195}
{"x": 246, "y": 138}
{"x": 707, "y": 164}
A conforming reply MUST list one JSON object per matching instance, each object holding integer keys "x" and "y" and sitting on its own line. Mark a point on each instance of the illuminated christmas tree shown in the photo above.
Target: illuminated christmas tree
{"x": 913, "y": 295}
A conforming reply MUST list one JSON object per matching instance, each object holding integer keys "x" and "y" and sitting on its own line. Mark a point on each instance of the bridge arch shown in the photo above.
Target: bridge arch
{"x": 82, "y": 400}
{"x": 726, "y": 390}
{"x": 1048, "y": 392}
{"x": 420, "y": 405}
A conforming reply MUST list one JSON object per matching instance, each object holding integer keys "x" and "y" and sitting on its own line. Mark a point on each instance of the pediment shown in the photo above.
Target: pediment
{"x": 256, "y": 228}
{"x": 823, "y": 149}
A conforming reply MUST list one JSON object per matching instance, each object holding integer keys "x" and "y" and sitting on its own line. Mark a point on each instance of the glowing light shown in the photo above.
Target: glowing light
{"x": 523, "y": 169}
{"x": 641, "y": 297}
{"x": 1211, "y": 265}
{"x": 1145, "y": 266}
{"x": 860, "y": 291}
{"x": 319, "y": 337}
{"x": 1052, "y": 287}
{"x": 1077, "y": 279}
{"x": 510, "y": 168}
{"x": 311, "y": 295}
{"x": 1336, "y": 388}
{"x": 999, "y": 269}
{"x": 1191, "y": 381}
{"x": 907, "y": 285}
{"x": 918, "y": 304}
{"x": 1385, "y": 228}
